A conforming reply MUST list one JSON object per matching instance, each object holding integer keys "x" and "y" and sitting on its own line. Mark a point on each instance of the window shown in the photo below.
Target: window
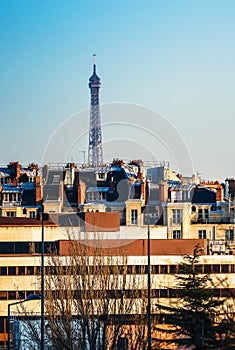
{"x": 3, "y": 270}
{"x": 7, "y": 248}
{"x": 21, "y": 270}
{"x": 200, "y": 215}
{"x": 101, "y": 196}
{"x": 225, "y": 268}
{"x": 207, "y": 268}
{"x": 206, "y": 214}
{"x": 202, "y": 234}
{"x": 56, "y": 178}
{"x": 154, "y": 293}
{"x": 229, "y": 235}
{"x": 101, "y": 176}
{"x": 11, "y": 197}
{"x": 226, "y": 293}
{"x": 122, "y": 343}
{"x": 173, "y": 293}
{"x": 215, "y": 268}
{"x": 30, "y": 270}
{"x": 21, "y": 294}
{"x": 216, "y": 293}
{"x": 145, "y": 269}
{"x": 176, "y": 216}
{"x": 2, "y": 326}
{"x": 129, "y": 269}
{"x": 176, "y": 234}
{"x": 155, "y": 269}
{"x": 203, "y": 215}
{"x": 21, "y": 247}
{"x": 11, "y": 270}
{"x": 3, "y": 295}
{"x": 151, "y": 218}
{"x": 11, "y": 214}
{"x": 163, "y": 293}
{"x": 137, "y": 269}
{"x": 134, "y": 215}
{"x": 173, "y": 269}
{"x": 32, "y": 214}
{"x": 199, "y": 268}
{"x": 92, "y": 196}
{"x": 38, "y": 270}
{"x": 12, "y": 295}
{"x": 163, "y": 269}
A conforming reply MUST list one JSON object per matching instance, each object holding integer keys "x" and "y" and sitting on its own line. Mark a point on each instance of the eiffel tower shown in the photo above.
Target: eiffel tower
{"x": 95, "y": 150}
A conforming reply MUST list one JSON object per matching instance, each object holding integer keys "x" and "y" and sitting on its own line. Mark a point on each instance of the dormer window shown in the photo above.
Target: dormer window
{"x": 56, "y": 178}
{"x": 134, "y": 216}
{"x": 11, "y": 197}
{"x": 101, "y": 176}
{"x": 3, "y": 180}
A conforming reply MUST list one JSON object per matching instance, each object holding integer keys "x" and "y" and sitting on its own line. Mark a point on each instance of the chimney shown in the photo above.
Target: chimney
{"x": 33, "y": 166}
{"x": 164, "y": 191}
{"x": 81, "y": 192}
{"x": 38, "y": 189}
{"x": 15, "y": 166}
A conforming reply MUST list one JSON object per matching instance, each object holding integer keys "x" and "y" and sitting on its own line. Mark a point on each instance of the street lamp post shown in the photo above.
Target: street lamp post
{"x": 29, "y": 298}
{"x": 149, "y": 290}
{"x": 44, "y": 217}
{"x": 42, "y": 282}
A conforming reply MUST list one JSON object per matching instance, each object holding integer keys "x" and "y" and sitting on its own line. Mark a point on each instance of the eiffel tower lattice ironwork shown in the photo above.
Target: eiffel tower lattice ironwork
{"x": 95, "y": 150}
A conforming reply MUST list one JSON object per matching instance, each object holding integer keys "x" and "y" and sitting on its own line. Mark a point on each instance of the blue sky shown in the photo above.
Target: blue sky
{"x": 175, "y": 57}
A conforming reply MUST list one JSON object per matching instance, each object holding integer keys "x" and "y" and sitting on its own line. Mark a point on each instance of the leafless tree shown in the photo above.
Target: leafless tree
{"x": 92, "y": 300}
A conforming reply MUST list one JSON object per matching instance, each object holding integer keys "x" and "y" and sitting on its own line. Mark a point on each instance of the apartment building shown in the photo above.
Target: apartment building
{"x": 21, "y": 267}
{"x": 116, "y": 203}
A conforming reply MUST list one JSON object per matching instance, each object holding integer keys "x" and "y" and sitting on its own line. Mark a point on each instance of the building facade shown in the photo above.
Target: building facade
{"x": 117, "y": 204}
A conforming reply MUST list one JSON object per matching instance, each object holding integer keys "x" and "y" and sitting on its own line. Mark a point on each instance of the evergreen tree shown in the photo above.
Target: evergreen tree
{"x": 192, "y": 316}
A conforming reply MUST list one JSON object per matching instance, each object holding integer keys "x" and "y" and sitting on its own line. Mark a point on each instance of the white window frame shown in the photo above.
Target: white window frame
{"x": 176, "y": 216}
{"x": 176, "y": 234}
{"x": 56, "y": 179}
{"x": 202, "y": 234}
{"x": 229, "y": 235}
{"x": 134, "y": 216}
{"x": 11, "y": 214}
{"x": 101, "y": 176}
{"x": 102, "y": 196}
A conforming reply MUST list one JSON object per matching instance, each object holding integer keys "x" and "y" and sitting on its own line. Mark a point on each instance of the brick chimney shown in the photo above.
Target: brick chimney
{"x": 15, "y": 166}
{"x": 164, "y": 191}
{"x": 38, "y": 188}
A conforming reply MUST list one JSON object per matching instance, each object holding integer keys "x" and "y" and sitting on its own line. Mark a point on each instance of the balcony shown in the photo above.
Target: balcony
{"x": 218, "y": 247}
{"x": 221, "y": 220}
{"x": 6, "y": 204}
{"x": 222, "y": 246}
